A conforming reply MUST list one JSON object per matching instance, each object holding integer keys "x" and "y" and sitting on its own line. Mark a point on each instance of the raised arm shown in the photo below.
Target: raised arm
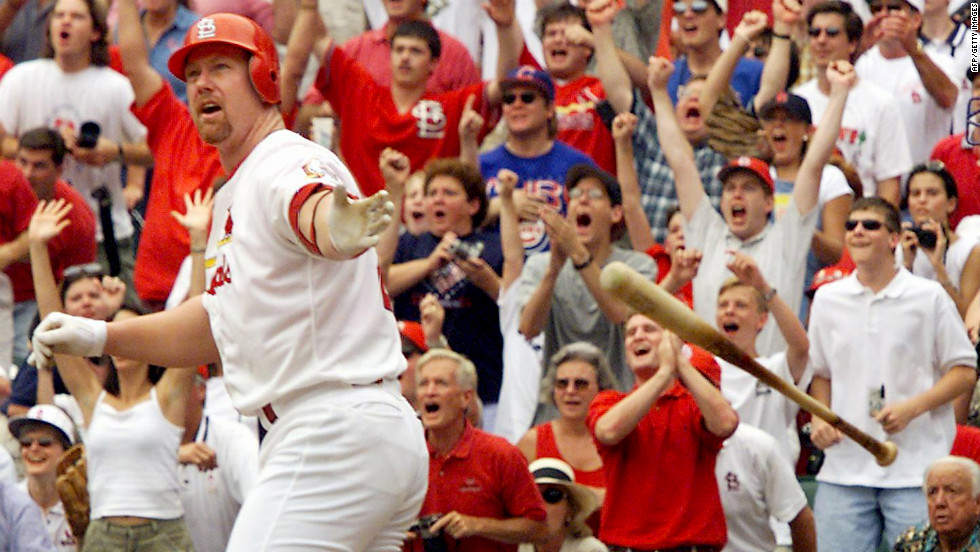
{"x": 135, "y": 59}
{"x": 676, "y": 148}
{"x": 776, "y": 69}
{"x": 470, "y": 124}
{"x": 395, "y": 168}
{"x": 510, "y": 43}
{"x": 615, "y": 80}
{"x": 307, "y": 28}
{"x": 720, "y": 75}
{"x": 197, "y": 220}
{"x": 344, "y": 228}
{"x": 637, "y": 224}
{"x": 510, "y": 233}
{"x": 719, "y": 416}
{"x": 806, "y": 189}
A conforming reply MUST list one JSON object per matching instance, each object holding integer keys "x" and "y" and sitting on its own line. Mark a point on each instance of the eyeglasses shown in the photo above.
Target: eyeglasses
{"x": 697, "y": 6}
{"x": 890, "y": 6}
{"x": 868, "y": 224}
{"x": 579, "y": 384}
{"x": 526, "y": 97}
{"x": 93, "y": 270}
{"x": 593, "y": 193}
{"x": 553, "y": 495}
{"x": 831, "y": 32}
{"x": 44, "y": 442}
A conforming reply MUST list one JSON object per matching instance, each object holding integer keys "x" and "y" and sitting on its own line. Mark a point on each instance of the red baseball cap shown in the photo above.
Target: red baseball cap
{"x": 751, "y": 165}
{"x": 412, "y": 331}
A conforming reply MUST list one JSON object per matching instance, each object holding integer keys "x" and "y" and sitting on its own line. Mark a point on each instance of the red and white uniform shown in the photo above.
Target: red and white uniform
{"x": 344, "y": 463}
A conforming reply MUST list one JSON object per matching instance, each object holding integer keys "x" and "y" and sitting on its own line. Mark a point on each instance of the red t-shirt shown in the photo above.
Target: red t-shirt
{"x": 17, "y": 204}
{"x": 548, "y": 448}
{"x": 428, "y": 130}
{"x": 182, "y": 163}
{"x": 966, "y": 443}
{"x": 483, "y": 476}
{"x": 660, "y": 479}
{"x": 5, "y": 65}
{"x": 962, "y": 164}
{"x": 579, "y": 124}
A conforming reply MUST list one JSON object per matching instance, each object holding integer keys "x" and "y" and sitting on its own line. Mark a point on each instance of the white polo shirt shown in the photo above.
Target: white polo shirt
{"x": 904, "y": 339}
{"x": 56, "y": 524}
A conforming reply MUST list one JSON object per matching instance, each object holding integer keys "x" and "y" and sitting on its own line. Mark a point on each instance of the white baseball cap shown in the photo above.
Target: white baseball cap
{"x": 47, "y": 415}
{"x": 919, "y": 5}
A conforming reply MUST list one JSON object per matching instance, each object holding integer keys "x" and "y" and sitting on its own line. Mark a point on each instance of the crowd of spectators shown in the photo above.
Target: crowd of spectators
{"x": 739, "y": 154}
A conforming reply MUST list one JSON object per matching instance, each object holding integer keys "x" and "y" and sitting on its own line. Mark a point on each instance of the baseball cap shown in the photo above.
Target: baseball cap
{"x": 552, "y": 471}
{"x": 527, "y": 75}
{"x": 722, "y": 5}
{"x": 843, "y": 268}
{"x": 413, "y": 334}
{"x": 797, "y": 107}
{"x": 45, "y": 415}
{"x": 751, "y": 165}
{"x": 583, "y": 170}
{"x": 919, "y": 5}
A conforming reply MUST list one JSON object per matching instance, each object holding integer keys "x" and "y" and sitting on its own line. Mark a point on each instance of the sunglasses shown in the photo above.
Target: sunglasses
{"x": 891, "y": 7}
{"x": 92, "y": 270}
{"x": 526, "y": 97}
{"x": 553, "y": 495}
{"x": 831, "y": 32}
{"x": 932, "y": 166}
{"x": 579, "y": 384}
{"x": 868, "y": 224}
{"x": 44, "y": 442}
{"x": 697, "y": 6}
{"x": 593, "y": 193}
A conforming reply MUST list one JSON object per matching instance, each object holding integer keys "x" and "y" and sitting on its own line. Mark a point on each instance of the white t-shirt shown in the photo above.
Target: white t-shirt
{"x": 780, "y": 250}
{"x": 957, "y": 49}
{"x": 520, "y": 387}
{"x": 760, "y": 406}
{"x": 902, "y": 339}
{"x": 39, "y": 94}
{"x": 212, "y": 498}
{"x": 956, "y": 257}
{"x": 286, "y": 320}
{"x": 755, "y": 483}
{"x": 833, "y": 184}
{"x": 925, "y": 121}
{"x": 872, "y": 135}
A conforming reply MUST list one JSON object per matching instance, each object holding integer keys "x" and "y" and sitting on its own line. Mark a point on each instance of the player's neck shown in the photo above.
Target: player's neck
{"x": 233, "y": 153}
{"x": 532, "y": 145}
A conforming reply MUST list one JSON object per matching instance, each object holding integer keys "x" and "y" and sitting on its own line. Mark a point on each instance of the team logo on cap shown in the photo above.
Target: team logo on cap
{"x": 205, "y": 28}
{"x": 782, "y": 97}
{"x": 525, "y": 72}
{"x": 744, "y": 161}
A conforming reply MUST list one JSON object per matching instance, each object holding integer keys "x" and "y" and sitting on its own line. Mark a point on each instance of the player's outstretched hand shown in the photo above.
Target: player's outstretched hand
{"x": 355, "y": 225}
{"x": 69, "y": 335}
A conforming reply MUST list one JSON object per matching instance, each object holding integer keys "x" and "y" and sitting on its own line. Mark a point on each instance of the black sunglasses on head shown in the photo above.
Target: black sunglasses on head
{"x": 526, "y": 97}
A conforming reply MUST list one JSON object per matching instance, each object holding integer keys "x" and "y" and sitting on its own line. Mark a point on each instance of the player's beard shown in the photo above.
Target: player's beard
{"x": 213, "y": 131}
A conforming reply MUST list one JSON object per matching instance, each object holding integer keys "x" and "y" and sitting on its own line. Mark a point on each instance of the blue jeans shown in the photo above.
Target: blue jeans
{"x": 852, "y": 518}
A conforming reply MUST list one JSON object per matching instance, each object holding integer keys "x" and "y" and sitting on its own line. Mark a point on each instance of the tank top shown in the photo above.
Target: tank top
{"x": 548, "y": 448}
{"x": 132, "y": 461}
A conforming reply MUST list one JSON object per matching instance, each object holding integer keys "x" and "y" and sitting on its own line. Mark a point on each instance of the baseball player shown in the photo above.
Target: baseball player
{"x": 295, "y": 309}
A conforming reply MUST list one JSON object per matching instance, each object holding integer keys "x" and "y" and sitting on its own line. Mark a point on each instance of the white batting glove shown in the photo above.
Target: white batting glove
{"x": 70, "y": 335}
{"x": 356, "y": 225}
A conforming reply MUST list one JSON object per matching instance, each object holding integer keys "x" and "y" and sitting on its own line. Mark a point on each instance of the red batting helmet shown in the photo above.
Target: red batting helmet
{"x": 236, "y": 30}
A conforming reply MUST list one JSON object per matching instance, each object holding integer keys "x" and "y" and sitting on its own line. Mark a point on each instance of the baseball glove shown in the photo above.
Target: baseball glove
{"x": 72, "y": 485}
{"x": 732, "y": 131}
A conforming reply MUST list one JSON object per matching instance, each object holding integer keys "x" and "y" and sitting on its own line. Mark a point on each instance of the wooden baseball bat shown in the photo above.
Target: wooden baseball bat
{"x": 651, "y": 300}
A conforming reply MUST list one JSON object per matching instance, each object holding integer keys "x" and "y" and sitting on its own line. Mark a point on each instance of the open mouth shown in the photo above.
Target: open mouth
{"x": 558, "y": 53}
{"x": 416, "y": 215}
{"x": 584, "y": 220}
{"x": 729, "y": 327}
{"x": 209, "y": 107}
{"x": 642, "y": 349}
{"x": 738, "y": 212}
{"x": 431, "y": 408}
{"x": 439, "y": 214}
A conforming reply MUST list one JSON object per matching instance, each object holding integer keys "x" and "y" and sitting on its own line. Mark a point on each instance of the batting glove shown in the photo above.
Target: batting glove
{"x": 355, "y": 225}
{"x": 69, "y": 335}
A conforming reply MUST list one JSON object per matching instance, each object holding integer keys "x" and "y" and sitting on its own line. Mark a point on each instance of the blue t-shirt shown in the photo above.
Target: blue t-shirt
{"x": 24, "y": 387}
{"x": 170, "y": 41}
{"x": 746, "y": 78}
{"x": 472, "y": 324}
{"x": 542, "y": 177}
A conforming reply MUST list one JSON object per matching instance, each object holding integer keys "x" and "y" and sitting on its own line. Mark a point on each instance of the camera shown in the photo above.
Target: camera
{"x": 927, "y": 238}
{"x": 432, "y": 542}
{"x": 88, "y": 134}
{"x": 465, "y": 250}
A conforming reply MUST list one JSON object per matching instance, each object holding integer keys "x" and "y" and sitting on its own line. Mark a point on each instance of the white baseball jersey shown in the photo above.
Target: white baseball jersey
{"x": 284, "y": 318}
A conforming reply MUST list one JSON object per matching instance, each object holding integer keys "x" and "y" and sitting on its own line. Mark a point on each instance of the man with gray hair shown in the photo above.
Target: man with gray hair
{"x": 952, "y": 489}
{"x": 481, "y": 494}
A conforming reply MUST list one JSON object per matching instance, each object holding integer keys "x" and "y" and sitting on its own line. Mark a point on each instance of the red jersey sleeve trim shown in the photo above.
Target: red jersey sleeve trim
{"x": 299, "y": 199}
